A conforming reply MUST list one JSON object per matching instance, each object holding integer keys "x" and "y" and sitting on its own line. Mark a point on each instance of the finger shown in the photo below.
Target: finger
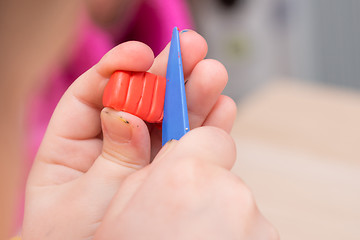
{"x": 193, "y": 50}
{"x": 77, "y": 115}
{"x": 205, "y": 84}
{"x": 126, "y": 147}
{"x": 223, "y": 114}
{"x": 205, "y": 144}
{"x": 75, "y": 123}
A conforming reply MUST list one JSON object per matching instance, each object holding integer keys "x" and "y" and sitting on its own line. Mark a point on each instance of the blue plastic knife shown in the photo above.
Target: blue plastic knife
{"x": 176, "y": 121}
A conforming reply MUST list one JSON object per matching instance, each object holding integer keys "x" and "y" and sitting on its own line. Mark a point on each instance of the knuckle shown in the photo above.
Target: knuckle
{"x": 184, "y": 179}
{"x": 186, "y": 173}
{"x": 241, "y": 194}
{"x": 273, "y": 233}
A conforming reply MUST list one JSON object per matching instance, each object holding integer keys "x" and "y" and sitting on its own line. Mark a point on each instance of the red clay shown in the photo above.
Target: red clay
{"x": 139, "y": 93}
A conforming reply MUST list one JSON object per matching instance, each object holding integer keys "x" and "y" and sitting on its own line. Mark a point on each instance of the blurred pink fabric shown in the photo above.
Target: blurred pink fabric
{"x": 152, "y": 24}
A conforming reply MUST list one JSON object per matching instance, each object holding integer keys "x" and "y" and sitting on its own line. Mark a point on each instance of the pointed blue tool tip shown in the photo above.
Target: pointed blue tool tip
{"x": 175, "y": 33}
{"x": 176, "y": 120}
{"x": 175, "y": 44}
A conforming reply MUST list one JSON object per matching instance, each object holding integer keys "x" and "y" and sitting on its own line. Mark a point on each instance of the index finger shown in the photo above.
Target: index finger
{"x": 77, "y": 114}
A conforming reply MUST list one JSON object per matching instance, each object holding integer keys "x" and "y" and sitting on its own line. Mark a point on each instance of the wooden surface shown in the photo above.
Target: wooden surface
{"x": 299, "y": 151}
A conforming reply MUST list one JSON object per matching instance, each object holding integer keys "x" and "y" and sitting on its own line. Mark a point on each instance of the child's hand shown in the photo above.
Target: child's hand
{"x": 83, "y": 161}
{"x": 187, "y": 192}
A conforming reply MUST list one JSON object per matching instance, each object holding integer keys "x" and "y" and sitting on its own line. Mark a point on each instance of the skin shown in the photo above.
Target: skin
{"x": 187, "y": 192}
{"x": 92, "y": 177}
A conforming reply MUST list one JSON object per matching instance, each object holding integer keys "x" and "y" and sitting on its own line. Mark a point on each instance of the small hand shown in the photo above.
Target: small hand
{"x": 188, "y": 192}
{"x": 87, "y": 153}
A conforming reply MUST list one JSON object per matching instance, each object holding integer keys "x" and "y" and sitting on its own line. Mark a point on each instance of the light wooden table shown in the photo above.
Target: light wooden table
{"x": 299, "y": 151}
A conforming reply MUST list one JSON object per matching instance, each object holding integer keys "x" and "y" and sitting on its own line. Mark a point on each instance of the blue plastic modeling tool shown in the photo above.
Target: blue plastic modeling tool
{"x": 175, "y": 122}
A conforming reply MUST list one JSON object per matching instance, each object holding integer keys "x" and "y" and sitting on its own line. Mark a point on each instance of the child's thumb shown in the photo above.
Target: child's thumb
{"x": 126, "y": 146}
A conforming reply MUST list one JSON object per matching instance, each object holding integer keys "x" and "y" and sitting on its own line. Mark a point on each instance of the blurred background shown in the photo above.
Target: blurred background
{"x": 294, "y": 70}
{"x": 312, "y": 40}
